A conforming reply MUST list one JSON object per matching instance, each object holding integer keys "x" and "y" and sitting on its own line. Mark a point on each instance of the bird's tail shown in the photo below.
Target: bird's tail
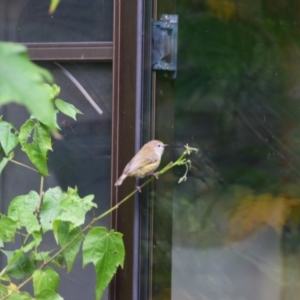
{"x": 120, "y": 180}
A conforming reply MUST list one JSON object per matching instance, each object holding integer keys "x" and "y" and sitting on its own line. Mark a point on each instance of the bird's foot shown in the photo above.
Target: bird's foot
{"x": 155, "y": 175}
{"x": 138, "y": 188}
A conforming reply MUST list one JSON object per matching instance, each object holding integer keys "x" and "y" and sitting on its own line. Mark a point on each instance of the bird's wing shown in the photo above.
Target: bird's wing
{"x": 138, "y": 162}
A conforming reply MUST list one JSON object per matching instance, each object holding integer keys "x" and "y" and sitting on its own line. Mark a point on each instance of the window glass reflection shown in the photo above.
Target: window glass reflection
{"x": 231, "y": 231}
{"x": 73, "y": 21}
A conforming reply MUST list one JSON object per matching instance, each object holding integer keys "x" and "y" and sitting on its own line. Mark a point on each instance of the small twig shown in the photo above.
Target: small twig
{"x": 23, "y": 165}
{"x": 184, "y": 177}
{"x": 41, "y": 194}
{"x": 180, "y": 161}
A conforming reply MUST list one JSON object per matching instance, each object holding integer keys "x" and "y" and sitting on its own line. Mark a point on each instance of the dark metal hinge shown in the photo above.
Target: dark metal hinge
{"x": 164, "y": 45}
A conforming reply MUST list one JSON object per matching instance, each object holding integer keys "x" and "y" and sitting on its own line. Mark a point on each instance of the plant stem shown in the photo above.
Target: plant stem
{"x": 180, "y": 161}
{"x": 23, "y": 165}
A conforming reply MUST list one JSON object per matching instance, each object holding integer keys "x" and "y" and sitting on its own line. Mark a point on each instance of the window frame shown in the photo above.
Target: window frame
{"x": 130, "y": 55}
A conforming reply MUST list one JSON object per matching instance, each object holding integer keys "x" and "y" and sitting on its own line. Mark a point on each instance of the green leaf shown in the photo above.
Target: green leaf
{"x": 19, "y": 266}
{"x": 41, "y": 256}
{"x": 12, "y": 256}
{"x": 23, "y": 82}
{"x": 37, "y": 239}
{"x": 36, "y": 150}
{"x": 3, "y": 164}
{"x": 8, "y": 137}
{"x": 3, "y": 290}
{"x": 49, "y": 295}
{"x": 56, "y": 225}
{"x": 45, "y": 280}
{"x": 74, "y": 208}
{"x": 19, "y": 296}
{"x": 5, "y": 277}
{"x": 67, "y": 108}
{"x": 65, "y": 235}
{"x": 106, "y": 251}
{"x": 53, "y": 91}
{"x": 5, "y": 160}
{"x": 21, "y": 210}
{"x": 50, "y": 207}
{"x": 7, "y": 229}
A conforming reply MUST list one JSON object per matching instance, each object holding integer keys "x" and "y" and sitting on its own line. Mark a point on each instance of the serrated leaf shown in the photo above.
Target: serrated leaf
{"x": 36, "y": 150}
{"x": 49, "y": 295}
{"x": 46, "y": 279}
{"x": 50, "y": 208}
{"x": 65, "y": 235}
{"x": 21, "y": 210}
{"x": 23, "y": 82}
{"x": 67, "y": 108}
{"x": 7, "y": 229}
{"x": 74, "y": 208}
{"x": 8, "y": 137}
{"x": 106, "y": 251}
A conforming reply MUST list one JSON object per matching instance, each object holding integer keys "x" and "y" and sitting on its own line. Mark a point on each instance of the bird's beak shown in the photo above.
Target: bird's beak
{"x": 165, "y": 145}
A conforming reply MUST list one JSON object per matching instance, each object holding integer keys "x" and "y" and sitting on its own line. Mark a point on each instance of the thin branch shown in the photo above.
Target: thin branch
{"x": 23, "y": 165}
{"x": 180, "y": 161}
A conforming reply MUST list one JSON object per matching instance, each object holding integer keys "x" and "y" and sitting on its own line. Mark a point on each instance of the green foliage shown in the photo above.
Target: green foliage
{"x": 67, "y": 108}
{"x": 106, "y": 251}
{"x": 33, "y": 136}
{"x": 23, "y": 82}
{"x": 58, "y": 213}
{"x": 63, "y": 213}
{"x": 32, "y": 215}
{"x": 21, "y": 210}
{"x": 45, "y": 280}
{"x": 20, "y": 296}
{"x": 8, "y": 137}
{"x": 66, "y": 236}
{"x": 41, "y": 143}
{"x": 73, "y": 208}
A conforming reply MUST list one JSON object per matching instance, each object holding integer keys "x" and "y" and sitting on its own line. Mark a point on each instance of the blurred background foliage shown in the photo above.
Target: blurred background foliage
{"x": 237, "y": 98}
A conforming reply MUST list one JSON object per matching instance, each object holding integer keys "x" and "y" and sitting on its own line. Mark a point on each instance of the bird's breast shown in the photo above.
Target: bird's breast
{"x": 145, "y": 170}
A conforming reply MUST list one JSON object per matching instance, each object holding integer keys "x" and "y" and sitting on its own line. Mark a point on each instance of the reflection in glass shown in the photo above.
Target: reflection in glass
{"x": 81, "y": 158}
{"x": 231, "y": 231}
{"x": 73, "y": 21}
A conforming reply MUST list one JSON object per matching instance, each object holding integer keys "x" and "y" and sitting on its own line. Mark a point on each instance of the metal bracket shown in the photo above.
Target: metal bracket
{"x": 164, "y": 45}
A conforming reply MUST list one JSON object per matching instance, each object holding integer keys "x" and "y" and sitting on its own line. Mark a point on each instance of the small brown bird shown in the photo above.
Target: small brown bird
{"x": 145, "y": 162}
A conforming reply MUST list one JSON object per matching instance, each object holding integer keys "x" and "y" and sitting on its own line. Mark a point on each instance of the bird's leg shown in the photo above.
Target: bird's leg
{"x": 138, "y": 188}
{"x": 155, "y": 175}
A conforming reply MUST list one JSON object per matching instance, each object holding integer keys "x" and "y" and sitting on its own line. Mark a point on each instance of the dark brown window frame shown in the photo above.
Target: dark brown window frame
{"x": 125, "y": 53}
{"x": 97, "y": 51}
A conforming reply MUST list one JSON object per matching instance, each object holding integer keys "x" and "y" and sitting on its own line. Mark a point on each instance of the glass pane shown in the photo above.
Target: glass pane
{"x": 29, "y": 21}
{"x": 231, "y": 231}
{"x": 80, "y": 158}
